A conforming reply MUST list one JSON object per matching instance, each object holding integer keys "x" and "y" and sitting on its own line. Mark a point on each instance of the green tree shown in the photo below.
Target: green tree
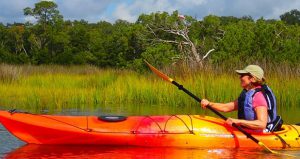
{"x": 15, "y": 34}
{"x": 45, "y": 12}
{"x": 3, "y": 35}
{"x": 79, "y": 37}
{"x": 41, "y": 39}
{"x": 236, "y": 45}
{"x": 291, "y": 17}
{"x": 160, "y": 54}
{"x": 160, "y": 37}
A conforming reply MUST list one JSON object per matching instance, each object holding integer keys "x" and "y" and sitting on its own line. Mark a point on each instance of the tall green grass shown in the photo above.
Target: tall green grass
{"x": 110, "y": 91}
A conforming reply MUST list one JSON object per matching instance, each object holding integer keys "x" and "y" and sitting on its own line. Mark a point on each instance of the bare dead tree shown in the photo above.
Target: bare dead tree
{"x": 187, "y": 47}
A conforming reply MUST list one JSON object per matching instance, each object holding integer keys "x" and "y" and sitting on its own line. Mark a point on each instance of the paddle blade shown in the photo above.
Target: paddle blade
{"x": 158, "y": 73}
{"x": 265, "y": 147}
{"x": 272, "y": 151}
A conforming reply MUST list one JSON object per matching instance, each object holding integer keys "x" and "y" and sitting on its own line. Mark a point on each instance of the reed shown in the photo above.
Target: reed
{"x": 109, "y": 91}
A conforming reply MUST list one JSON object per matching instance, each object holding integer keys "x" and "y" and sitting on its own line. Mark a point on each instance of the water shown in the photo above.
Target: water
{"x": 36, "y": 151}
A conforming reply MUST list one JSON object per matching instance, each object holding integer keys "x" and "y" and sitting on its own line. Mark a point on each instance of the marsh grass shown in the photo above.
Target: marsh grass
{"x": 110, "y": 91}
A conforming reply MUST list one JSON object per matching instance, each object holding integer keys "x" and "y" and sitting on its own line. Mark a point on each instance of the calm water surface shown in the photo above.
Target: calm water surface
{"x": 11, "y": 147}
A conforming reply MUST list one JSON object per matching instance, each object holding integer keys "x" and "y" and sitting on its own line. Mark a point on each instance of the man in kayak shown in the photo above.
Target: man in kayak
{"x": 256, "y": 104}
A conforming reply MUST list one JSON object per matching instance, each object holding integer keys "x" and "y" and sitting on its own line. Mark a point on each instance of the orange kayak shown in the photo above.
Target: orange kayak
{"x": 192, "y": 131}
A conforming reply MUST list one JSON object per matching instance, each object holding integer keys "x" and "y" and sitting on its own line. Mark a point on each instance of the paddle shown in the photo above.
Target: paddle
{"x": 180, "y": 87}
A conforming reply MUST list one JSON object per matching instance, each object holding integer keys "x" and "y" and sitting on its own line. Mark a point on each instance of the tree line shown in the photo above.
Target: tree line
{"x": 160, "y": 37}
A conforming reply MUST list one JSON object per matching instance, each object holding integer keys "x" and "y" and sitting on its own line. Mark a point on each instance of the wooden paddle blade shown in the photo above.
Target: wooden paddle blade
{"x": 157, "y": 72}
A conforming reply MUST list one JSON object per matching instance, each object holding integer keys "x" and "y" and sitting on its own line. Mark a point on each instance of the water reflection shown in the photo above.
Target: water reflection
{"x": 68, "y": 151}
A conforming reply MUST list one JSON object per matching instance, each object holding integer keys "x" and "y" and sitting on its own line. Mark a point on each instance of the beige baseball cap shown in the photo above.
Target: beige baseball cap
{"x": 254, "y": 70}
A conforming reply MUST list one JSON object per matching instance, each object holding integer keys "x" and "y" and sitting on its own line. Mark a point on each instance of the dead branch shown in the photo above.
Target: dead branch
{"x": 211, "y": 50}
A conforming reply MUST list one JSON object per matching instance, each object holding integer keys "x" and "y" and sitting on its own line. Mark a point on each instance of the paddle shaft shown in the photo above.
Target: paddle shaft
{"x": 180, "y": 87}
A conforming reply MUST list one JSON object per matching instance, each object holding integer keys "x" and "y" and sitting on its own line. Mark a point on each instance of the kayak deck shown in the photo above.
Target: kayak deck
{"x": 153, "y": 131}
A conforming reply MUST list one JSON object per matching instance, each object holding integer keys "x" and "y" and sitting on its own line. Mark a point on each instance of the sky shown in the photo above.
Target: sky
{"x": 110, "y": 10}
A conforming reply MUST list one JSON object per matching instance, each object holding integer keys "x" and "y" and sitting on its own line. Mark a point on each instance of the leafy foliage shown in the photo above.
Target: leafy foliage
{"x": 291, "y": 17}
{"x": 52, "y": 40}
